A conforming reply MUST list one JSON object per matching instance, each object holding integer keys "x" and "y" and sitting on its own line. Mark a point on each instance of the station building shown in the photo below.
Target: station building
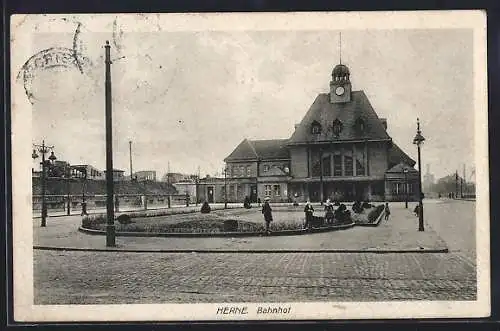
{"x": 340, "y": 151}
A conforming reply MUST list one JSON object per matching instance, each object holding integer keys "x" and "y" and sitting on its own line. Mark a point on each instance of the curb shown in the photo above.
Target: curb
{"x": 220, "y": 234}
{"x": 257, "y": 251}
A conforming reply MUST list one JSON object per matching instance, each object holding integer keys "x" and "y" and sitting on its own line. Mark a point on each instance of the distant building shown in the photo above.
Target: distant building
{"x": 428, "y": 181}
{"x": 118, "y": 175}
{"x": 86, "y": 171}
{"x": 175, "y": 177}
{"x": 149, "y": 175}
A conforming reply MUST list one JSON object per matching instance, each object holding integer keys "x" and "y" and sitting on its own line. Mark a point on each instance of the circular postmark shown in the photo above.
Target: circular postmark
{"x": 55, "y": 60}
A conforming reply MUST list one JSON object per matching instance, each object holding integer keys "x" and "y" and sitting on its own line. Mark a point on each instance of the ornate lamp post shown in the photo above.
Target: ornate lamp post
{"x": 419, "y": 140}
{"x": 405, "y": 171}
{"x": 43, "y": 149}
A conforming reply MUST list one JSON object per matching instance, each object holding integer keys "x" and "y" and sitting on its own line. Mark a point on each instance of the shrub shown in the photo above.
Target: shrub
{"x": 367, "y": 205}
{"x": 230, "y": 226}
{"x": 205, "y": 208}
{"x": 375, "y": 213}
{"x": 93, "y": 221}
{"x": 124, "y": 219}
{"x": 342, "y": 215}
{"x": 357, "y": 207}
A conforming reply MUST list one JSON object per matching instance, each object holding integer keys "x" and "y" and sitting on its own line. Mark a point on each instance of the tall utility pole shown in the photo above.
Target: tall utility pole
{"x": 110, "y": 226}
{"x": 130, "y": 153}
{"x": 456, "y": 184}
{"x": 419, "y": 140}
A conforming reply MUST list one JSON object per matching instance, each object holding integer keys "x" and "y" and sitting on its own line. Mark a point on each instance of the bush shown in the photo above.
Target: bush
{"x": 230, "y": 226}
{"x": 342, "y": 215}
{"x": 357, "y": 207}
{"x": 205, "y": 208}
{"x": 124, "y": 219}
{"x": 375, "y": 213}
{"x": 367, "y": 205}
{"x": 93, "y": 221}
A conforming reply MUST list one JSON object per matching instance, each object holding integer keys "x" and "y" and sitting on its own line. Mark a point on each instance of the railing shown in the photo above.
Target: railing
{"x": 59, "y": 203}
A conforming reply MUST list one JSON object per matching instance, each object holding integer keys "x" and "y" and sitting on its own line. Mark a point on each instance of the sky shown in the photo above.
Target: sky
{"x": 186, "y": 99}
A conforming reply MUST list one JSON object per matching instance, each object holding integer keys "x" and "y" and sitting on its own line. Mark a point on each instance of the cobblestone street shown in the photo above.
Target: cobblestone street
{"x": 87, "y": 277}
{"x": 115, "y": 277}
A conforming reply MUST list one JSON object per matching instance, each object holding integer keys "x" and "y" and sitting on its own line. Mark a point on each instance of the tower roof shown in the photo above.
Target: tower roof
{"x": 340, "y": 70}
{"x": 349, "y": 114}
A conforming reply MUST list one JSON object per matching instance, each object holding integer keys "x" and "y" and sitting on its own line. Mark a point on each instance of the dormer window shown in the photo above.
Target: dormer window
{"x": 315, "y": 127}
{"x": 360, "y": 125}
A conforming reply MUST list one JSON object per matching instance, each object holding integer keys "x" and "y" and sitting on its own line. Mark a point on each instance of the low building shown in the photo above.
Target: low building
{"x": 149, "y": 175}
{"x": 86, "y": 171}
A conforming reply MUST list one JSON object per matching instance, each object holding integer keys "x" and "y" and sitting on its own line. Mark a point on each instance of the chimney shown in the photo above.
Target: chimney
{"x": 384, "y": 122}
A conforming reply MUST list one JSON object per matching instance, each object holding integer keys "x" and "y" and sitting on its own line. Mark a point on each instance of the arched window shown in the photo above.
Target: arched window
{"x": 315, "y": 127}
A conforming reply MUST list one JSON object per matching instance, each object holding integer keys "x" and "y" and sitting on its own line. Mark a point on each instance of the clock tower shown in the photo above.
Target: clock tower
{"x": 340, "y": 86}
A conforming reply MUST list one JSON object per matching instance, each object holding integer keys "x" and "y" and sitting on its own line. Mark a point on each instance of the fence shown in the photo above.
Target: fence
{"x": 121, "y": 201}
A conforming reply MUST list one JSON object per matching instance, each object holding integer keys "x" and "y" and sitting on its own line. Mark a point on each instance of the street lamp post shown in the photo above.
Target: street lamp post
{"x": 84, "y": 188}
{"x": 67, "y": 173}
{"x": 405, "y": 171}
{"x": 419, "y": 140}
{"x": 110, "y": 226}
{"x": 43, "y": 149}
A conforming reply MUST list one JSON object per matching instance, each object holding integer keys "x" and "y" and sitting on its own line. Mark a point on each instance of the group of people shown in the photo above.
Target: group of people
{"x": 309, "y": 212}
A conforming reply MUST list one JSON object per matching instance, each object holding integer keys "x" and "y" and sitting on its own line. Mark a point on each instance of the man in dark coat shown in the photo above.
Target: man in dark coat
{"x": 309, "y": 210}
{"x": 268, "y": 215}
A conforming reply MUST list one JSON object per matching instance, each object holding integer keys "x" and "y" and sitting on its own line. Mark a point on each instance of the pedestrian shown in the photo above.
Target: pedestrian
{"x": 268, "y": 215}
{"x": 387, "y": 211}
{"x": 329, "y": 212}
{"x": 308, "y": 210}
{"x": 416, "y": 211}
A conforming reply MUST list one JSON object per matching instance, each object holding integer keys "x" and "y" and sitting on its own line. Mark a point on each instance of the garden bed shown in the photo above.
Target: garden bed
{"x": 287, "y": 220}
{"x": 369, "y": 216}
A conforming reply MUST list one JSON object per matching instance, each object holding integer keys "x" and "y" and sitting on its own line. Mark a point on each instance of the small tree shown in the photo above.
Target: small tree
{"x": 205, "y": 208}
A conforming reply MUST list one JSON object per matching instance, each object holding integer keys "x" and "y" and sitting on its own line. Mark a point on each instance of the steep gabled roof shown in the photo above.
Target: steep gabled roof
{"x": 398, "y": 168}
{"x": 348, "y": 113}
{"x": 244, "y": 151}
{"x": 260, "y": 150}
{"x": 396, "y": 155}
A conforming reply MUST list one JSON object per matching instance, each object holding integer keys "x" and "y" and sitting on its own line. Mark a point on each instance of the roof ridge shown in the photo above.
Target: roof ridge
{"x": 252, "y": 147}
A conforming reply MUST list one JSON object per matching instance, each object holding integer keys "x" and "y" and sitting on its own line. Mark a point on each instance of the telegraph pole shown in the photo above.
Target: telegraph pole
{"x": 110, "y": 226}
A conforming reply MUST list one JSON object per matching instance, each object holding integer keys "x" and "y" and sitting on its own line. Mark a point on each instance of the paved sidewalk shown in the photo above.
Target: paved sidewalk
{"x": 398, "y": 234}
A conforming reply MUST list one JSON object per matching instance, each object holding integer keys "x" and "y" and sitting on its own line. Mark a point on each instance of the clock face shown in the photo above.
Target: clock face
{"x": 339, "y": 90}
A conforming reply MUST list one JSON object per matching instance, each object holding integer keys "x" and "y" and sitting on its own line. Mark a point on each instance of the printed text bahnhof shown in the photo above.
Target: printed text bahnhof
{"x": 243, "y": 310}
